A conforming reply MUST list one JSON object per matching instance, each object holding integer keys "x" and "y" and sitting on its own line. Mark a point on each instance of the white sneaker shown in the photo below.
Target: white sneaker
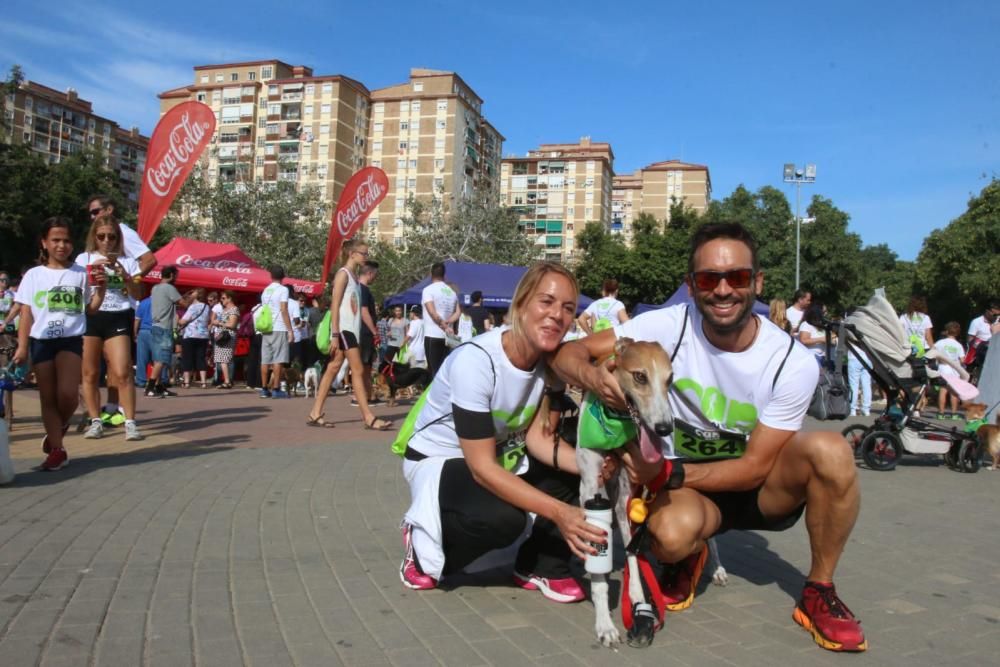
{"x": 95, "y": 431}
{"x": 853, "y": 413}
{"x": 132, "y": 430}
{"x": 915, "y": 413}
{"x": 865, "y": 413}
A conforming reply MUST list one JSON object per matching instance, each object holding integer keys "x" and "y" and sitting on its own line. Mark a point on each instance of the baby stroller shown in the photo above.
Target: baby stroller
{"x": 875, "y": 329}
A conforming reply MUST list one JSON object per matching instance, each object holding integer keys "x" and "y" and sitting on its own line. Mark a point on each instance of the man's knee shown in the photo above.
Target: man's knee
{"x": 830, "y": 456}
{"x": 678, "y": 533}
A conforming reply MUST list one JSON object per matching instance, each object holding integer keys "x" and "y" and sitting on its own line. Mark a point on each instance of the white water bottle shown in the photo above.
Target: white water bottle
{"x": 598, "y": 511}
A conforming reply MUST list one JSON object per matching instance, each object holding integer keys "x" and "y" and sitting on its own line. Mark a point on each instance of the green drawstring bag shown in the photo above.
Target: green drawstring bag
{"x": 263, "y": 321}
{"x": 602, "y": 428}
{"x": 407, "y": 430}
{"x": 323, "y": 334}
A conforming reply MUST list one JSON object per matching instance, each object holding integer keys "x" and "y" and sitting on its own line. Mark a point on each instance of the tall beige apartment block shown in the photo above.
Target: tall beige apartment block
{"x": 430, "y": 137}
{"x": 58, "y": 124}
{"x": 654, "y": 189}
{"x": 557, "y": 189}
{"x": 279, "y": 122}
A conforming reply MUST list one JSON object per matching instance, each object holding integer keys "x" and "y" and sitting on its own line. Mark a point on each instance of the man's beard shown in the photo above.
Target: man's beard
{"x": 720, "y": 327}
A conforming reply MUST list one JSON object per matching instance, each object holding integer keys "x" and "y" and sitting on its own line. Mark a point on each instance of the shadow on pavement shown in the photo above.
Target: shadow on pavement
{"x": 78, "y": 467}
{"x": 748, "y": 555}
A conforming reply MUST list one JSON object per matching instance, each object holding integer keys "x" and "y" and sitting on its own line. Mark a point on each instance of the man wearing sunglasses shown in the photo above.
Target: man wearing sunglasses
{"x": 134, "y": 246}
{"x": 739, "y": 394}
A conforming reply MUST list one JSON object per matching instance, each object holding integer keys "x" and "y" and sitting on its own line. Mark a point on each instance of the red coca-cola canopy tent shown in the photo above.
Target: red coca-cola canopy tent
{"x": 218, "y": 266}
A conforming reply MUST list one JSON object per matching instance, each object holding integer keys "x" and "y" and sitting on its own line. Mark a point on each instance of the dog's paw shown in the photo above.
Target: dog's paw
{"x": 607, "y": 633}
{"x": 640, "y": 635}
{"x": 720, "y": 577}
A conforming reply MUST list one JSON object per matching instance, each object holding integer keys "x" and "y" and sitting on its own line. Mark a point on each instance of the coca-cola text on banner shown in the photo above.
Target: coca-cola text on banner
{"x": 177, "y": 142}
{"x": 363, "y": 192}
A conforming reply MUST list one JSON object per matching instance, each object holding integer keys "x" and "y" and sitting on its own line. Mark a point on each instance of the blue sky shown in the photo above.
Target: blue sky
{"x": 898, "y": 103}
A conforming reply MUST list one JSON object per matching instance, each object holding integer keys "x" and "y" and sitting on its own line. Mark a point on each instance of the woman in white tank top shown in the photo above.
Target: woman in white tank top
{"x": 345, "y": 329}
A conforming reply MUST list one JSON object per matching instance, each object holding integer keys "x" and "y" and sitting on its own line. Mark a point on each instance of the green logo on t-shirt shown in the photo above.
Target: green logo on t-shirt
{"x": 718, "y": 408}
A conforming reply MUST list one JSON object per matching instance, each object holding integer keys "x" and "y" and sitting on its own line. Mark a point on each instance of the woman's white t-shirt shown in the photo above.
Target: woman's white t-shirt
{"x": 915, "y": 326}
{"x": 350, "y": 305}
{"x": 608, "y": 308}
{"x": 732, "y": 391}
{"x": 199, "y": 314}
{"x": 58, "y": 300}
{"x": 477, "y": 379}
{"x": 116, "y": 297}
{"x": 415, "y": 333}
{"x": 954, "y": 351}
{"x": 819, "y": 347}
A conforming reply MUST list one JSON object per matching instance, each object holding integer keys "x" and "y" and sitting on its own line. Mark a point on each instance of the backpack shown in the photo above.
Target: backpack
{"x": 832, "y": 398}
{"x": 323, "y": 334}
{"x": 263, "y": 321}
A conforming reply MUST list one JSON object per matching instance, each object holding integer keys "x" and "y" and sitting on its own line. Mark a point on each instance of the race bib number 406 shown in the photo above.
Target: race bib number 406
{"x": 694, "y": 442}
{"x": 65, "y": 299}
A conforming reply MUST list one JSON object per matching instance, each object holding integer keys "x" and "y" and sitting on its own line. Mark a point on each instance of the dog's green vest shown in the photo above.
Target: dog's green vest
{"x": 603, "y": 428}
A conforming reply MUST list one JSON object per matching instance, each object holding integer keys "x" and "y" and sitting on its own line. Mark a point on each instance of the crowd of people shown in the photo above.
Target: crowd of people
{"x": 479, "y": 454}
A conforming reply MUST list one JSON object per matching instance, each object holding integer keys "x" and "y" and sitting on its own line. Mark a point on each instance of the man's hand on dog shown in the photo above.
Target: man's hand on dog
{"x": 602, "y": 382}
{"x": 639, "y": 470}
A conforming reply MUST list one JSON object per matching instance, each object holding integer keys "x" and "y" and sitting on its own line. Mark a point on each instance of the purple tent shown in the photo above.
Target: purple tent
{"x": 682, "y": 296}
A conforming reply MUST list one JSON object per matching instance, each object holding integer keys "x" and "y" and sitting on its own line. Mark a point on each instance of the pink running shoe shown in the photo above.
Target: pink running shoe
{"x": 409, "y": 571}
{"x": 557, "y": 590}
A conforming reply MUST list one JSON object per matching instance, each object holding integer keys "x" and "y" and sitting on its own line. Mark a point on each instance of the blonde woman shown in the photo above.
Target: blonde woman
{"x": 110, "y": 330}
{"x": 345, "y": 331}
{"x": 778, "y": 315}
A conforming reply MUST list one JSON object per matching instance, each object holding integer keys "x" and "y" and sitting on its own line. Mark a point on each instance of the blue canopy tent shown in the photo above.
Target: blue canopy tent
{"x": 682, "y": 296}
{"x": 496, "y": 281}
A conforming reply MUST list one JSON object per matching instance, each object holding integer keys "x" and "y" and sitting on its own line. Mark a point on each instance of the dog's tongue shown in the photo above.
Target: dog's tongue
{"x": 649, "y": 445}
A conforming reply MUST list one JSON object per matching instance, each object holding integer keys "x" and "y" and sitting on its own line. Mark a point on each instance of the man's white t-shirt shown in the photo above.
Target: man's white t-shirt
{"x": 477, "y": 379}
{"x": 415, "y": 333}
{"x": 135, "y": 247}
{"x": 916, "y": 325}
{"x": 295, "y": 312}
{"x": 274, "y": 295}
{"x": 607, "y": 308}
{"x": 794, "y": 316}
{"x": 978, "y": 328}
{"x": 731, "y": 391}
{"x": 819, "y": 347}
{"x": 116, "y": 297}
{"x": 954, "y": 351}
{"x": 445, "y": 303}
{"x": 58, "y": 300}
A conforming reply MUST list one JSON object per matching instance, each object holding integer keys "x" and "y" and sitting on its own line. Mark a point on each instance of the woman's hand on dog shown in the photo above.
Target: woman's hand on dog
{"x": 579, "y": 535}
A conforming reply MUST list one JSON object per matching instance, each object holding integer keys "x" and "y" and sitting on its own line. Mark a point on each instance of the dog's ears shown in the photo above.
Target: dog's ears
{"x": 621, "y": 344}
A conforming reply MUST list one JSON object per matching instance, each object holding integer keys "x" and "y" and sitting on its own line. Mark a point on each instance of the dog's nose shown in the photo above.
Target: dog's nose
{"x": 663, "y": 428}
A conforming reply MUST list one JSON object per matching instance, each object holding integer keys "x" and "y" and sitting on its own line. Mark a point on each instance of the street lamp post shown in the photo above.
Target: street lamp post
{"x": 793, "y": 174}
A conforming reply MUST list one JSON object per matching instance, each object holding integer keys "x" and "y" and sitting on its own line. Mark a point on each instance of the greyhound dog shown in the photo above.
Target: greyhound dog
{"x": 644, "y": 373}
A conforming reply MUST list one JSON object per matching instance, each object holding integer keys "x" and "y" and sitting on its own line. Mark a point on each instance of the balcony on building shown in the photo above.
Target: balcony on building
{"x": 291, "y": 112}
{"x": 291, "y": 131}
{"x": 291, "y": 93}
{"x": 290, "y": 176}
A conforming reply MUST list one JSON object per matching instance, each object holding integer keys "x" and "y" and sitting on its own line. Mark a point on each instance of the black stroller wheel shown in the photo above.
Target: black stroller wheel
{"x": 970, "y": 456}
{"x": 854, "y": 434}
{"x": 881, "y": 450}
{"x": 951, "y": 456}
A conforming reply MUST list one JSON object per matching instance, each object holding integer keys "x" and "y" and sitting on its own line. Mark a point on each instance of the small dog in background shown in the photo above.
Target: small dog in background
{"x": 293, "y": 377}
{"x": 311, "y": 380}
{"x": 974, "y": 411}
{"x": 989, "y": 440}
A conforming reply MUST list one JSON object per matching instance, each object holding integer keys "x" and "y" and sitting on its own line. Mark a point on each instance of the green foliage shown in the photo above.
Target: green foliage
{"x": 273, "y": 223}
{"x": 477, "y": 230}
{"x": 958, "y": 267}
{"x": 31, "y": 190}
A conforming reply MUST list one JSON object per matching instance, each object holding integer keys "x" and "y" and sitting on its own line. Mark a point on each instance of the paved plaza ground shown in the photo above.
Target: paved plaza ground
{"x": 236, "y": 535}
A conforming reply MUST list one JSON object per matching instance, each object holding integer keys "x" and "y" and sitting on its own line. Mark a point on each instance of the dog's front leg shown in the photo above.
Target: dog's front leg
{"x": 589, "y": 463}
{"x": 644, "y": 618}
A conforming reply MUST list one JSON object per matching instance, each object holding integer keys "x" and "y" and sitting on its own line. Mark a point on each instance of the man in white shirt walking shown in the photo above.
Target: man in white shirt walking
{"x": 441, "y": 311}
{"x": 275, "y": 344}
{"x": 801, "y": 301}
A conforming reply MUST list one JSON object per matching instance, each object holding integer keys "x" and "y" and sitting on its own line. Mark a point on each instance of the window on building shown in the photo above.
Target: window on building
{"x": 310, "y": 89}
{"x": 204, "y": 78}
{"x": 418, "y": 86}
{"x": 377, "y": 163}
{"x": 378, "y": 127}
{"x": 413, "y": 164}
{"x": 259, "y": 161}
{"x": 589, "y": 213}
{"x": 439, "y": 164}
{"x": 251, "y": 76}
{"x": 403, "y": 145}
{"x": 411, "y": 183}
{"x": 415, "y": 106}
{"x": 308, "y": 109}
{"x": 324, "y": 128}
{"x": 380, "y": 107}
{"x": 260, "y": 142}
{"x": 263, "y": 103}
{"x": 200, "y": 97}
{"x": 439, "y": 143}
{"x": 401, "y": 164}
{"x": 272, "y": 90}
{"x": 404, "y": 125}
{"x": 269, "y": 150}
{"x": 438, "y": 183}
{"x": 442, "y": 105}
{"x": 324, "y": 109}
{"x": 442, "y": 124}
{"x": 216, "y": 95}
{"x": 327, "y": 88}
{"x": 377, "y": 146}
{"x": 273, "y": 109}
{"x": 404, "y": 106}
{"x": 235, "y": 76}
{"x": 272, "y": 128}
{"x": 266, "y": 72}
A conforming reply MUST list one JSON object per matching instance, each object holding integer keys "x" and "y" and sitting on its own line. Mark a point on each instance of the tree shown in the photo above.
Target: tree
{"x": 602, "y": 255}
{"x": 477, "y": 230}
{"x": 273, "y": 223}
{"x": 958, "y": 267}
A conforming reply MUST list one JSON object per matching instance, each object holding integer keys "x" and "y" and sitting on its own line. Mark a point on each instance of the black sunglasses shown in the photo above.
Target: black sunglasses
{"x": 107, "y": 237}
{"x": 709, "y": 280}
{"x": 95, "y": 212}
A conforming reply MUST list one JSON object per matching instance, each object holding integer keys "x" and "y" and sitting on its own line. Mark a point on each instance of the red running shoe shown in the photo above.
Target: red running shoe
{"x": 828, "y": 619}
{"x": 409, "y": 571}
{"x": 681, "y": 579}
{"x": 56, "y": 459}
{"x": 557, "y": 590}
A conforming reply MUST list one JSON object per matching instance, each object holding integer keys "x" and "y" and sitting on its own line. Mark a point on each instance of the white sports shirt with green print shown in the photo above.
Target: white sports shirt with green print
{"x": 607, "y": 308}
{"x": 466, "y": 380}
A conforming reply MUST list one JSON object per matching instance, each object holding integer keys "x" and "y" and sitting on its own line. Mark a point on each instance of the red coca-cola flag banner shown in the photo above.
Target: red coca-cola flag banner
{"x": 363, "y": 192}
{"x": 178, "y": 140}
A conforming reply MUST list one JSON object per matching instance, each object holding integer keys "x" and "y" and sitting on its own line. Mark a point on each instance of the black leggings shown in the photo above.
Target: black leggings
{"x": 475, "y": 522}
{"x": 436, "y": 351}
{"x": 193, "y": 352}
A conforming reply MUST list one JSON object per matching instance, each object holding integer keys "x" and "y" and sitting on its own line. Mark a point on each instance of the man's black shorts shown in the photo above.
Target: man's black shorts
{"x": 368, "y": 351}
{"x": 740, "y": 511}
{"x": 109, "y": 324}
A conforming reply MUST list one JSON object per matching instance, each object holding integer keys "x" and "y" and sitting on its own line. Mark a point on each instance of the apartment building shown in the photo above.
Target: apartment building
{"x": 557, "y": 189}
{"x": 279, "y": 122}
{"x": 430, "y": 137}
{"x": 58, "y": 124}
{"x": 654, "y": 188}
